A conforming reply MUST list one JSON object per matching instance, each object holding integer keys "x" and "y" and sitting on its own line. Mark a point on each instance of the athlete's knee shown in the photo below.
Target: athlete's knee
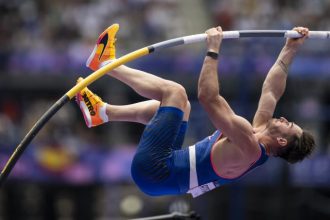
{"x": 186, "y": 111}
{"x": 176, "y": 93}
{"x": 188, "y": 107}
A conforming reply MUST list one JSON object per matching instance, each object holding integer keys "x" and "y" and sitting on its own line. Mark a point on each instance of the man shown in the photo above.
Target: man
{"x": 161, "y": 166}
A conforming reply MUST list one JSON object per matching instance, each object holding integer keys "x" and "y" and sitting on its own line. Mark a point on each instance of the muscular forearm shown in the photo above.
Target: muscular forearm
{"x": 275, "y": 82}
{"x": 208, "y": 84}
{"x": 285, "y": 58}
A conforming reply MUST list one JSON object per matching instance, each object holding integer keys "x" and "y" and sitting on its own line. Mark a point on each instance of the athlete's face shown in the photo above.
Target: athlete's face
{"x": 281, "y": 126}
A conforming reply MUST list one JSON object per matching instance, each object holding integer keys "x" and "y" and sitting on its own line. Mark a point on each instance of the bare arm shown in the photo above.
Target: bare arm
{"x": 236, "y": 128}
{"x": 275, "y": 82}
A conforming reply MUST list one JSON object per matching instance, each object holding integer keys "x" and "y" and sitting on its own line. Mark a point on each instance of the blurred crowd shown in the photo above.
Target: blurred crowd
{"x": 55, "y": 37}
{"x": 42, "y": 40}
{"x": 273, "y": 14}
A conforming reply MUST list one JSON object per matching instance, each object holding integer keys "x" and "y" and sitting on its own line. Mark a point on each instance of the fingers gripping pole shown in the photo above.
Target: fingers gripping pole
{"x": 274, "y": 33}
{"x": 311, "y": 34}
{"x": 132, "y": 56}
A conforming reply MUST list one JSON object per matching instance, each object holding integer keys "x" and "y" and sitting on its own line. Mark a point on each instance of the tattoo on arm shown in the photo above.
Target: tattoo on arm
{"x": 283, "y": 66}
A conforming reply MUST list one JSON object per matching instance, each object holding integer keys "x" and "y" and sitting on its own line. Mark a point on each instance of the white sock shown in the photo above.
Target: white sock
{"x": 105, "y": 63}
{"x": 103, "y": 113}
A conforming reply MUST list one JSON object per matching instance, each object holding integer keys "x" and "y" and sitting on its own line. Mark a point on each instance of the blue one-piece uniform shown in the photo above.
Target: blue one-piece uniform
{"x": 161, "y": 167}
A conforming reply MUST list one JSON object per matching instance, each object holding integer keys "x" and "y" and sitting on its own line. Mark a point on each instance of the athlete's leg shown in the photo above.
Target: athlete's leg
{"x": 152, "y": 87}
{"x": 97, "y": 112}
{"x": 144, "y": 83}
{"x": 140, "y": 112}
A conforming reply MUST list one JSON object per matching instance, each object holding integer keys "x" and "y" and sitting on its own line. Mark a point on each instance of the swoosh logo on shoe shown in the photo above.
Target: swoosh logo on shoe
{"x": 103, "y": 41}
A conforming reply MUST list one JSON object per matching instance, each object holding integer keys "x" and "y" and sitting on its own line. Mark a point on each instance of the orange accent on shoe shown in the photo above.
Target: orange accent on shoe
{"x": 104, "y": 49}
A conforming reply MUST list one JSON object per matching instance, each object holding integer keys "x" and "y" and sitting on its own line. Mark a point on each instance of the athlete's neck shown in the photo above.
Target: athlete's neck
{"x": 266, "y": 141}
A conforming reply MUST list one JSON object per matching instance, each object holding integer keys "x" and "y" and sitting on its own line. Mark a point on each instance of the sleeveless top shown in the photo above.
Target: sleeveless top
{"x": 202, "y": 176}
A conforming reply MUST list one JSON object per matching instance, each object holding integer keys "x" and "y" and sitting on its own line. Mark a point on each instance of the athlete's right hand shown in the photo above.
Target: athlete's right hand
{"x": 295, "y": 43}
{"x": 214, "y": 39}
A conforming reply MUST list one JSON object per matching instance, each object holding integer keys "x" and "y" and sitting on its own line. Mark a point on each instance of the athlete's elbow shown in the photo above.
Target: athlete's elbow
{"x": 206, "y": 99}
{"x": 205, "y": 96}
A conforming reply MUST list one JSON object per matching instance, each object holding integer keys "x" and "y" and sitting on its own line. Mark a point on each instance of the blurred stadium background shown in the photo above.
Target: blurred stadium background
{"x": 71, "y": 172}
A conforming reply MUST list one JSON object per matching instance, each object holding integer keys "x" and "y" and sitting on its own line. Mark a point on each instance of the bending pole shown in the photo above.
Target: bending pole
{"x": 132, "y": 56}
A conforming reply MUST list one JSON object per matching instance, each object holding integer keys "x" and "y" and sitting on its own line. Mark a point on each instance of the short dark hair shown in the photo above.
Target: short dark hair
{"x": 298, "y": 148}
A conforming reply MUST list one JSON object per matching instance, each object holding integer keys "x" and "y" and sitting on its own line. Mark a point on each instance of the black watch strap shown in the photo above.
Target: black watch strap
{"x": 213, "y": 55}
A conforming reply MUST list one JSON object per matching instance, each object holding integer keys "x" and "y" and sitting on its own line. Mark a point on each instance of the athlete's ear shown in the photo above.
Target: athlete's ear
{"x": 282, "y": 141}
